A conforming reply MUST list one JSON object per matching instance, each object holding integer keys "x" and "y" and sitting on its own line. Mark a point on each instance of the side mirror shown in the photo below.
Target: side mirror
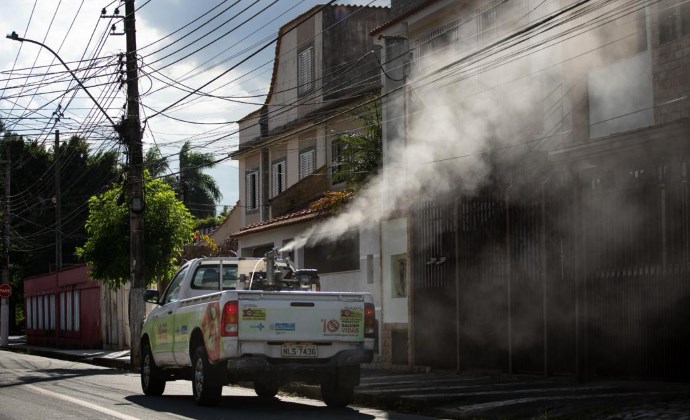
{"x": 151, "y": 296}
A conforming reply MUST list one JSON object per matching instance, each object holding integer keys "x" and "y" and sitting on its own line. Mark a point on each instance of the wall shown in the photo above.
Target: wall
{"x": 394, "y": 242}
{"x": 347, "y": 41}
{"x": 670, "y": 63}
{"x": 51, "y": 322}
{"x": 115, "y": 330}
{"x": 249, "y": 128}
{"x": 283, "y": 89}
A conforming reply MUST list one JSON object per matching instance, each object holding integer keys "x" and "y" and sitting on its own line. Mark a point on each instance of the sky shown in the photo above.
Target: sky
{"x": 182, "y": 46}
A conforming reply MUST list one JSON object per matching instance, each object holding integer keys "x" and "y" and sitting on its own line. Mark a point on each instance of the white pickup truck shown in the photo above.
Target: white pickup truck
{"x": 229, "y": 320}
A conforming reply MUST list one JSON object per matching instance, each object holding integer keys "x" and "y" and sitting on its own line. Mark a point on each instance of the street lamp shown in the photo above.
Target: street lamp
{"x": 13, "y": 36}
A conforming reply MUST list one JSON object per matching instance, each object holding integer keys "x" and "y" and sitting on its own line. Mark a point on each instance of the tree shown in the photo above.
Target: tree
{"x": 359, "y": 157}
{"x": 156, "y": 163}
{"x": 360, "y": 151}
{"x": 200, "y": 190}
{"x": 33, "y": 217}
{"x": 169, "y": 225}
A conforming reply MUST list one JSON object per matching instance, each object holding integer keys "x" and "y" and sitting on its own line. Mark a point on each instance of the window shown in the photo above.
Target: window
{"x": 29, "y": 317}
{"x": 305, "y": 71}
{"x": 76, "y": 310}
{"x": 674, "y": 22}
{"x": 498, "y": 17}
{"x": 69, "y": 310}
{"x": 40, "y": 312}
{"x": 173, "y": 289}
{"x": 278, "y": 177}
{"x": 206, "y": 277}
{"x": 63, "y": 306}
{"x": 399, "y": 275}
{"x": 341, "y": 254}
{"x": 621, "y": 96}
{"x": 51, "y": 317}
{"x": 337, "y": 160}
{"x": 252, "y": 187}
{"x": 307, "y": 163}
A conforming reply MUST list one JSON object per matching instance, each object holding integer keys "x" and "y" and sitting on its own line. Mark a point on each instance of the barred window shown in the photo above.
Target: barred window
{"x": 674, "y": 22}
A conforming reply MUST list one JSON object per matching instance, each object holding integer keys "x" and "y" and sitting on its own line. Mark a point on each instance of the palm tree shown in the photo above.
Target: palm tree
{"x": 200, "y": 191}
{"x": 157, "y": 164}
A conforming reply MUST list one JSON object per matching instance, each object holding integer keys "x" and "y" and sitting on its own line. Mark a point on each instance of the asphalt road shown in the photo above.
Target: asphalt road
{"x": 34, "y": 387}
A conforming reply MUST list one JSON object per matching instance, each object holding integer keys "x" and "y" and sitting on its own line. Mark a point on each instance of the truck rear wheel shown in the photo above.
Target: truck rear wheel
{"x": 265, "y": 389}
{"x": 205, "y": 386}
{"x": 338, "y": 395}
{"x": 152, "y": 379}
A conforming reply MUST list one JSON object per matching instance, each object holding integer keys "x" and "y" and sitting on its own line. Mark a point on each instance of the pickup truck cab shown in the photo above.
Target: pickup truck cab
{"x": 228, "y": 320}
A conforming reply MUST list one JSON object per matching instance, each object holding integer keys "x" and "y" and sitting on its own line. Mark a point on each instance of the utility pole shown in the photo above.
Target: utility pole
{"x": 58, "y": 206}
{"x": 132, "y": 130}
{"x": 5, "y": 304}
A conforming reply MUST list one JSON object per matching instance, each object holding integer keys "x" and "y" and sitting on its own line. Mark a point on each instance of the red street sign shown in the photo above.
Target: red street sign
{"x": 5, "y": 290}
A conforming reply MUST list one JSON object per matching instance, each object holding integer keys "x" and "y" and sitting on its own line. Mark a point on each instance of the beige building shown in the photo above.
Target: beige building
{"x": 325, "y": 67}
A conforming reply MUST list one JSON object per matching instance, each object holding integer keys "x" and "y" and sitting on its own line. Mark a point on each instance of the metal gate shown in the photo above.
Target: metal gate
{"x": 587, "y": 276}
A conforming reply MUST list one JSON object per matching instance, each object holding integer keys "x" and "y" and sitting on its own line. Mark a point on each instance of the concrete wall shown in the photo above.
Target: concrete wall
{"x": 249, "y": 127}
{"x": 671, "y": 79}
{"x": 393, "y": 244}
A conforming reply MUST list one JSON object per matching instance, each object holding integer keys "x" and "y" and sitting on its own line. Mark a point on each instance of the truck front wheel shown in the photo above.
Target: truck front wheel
{"x": 205, "y": 386}
{"x": 152, "y": 379}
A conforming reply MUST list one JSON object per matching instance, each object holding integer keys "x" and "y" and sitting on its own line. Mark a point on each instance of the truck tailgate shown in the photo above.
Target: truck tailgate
{"x": 300, "y": 317}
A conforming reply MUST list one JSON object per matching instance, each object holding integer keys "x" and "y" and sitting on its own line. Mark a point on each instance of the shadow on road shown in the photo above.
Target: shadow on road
{"x": 183, "y": 405}
{"x": 48, "y": 375}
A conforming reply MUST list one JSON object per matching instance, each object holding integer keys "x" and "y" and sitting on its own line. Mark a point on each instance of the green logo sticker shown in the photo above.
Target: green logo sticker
{"x": 254, "y": 314}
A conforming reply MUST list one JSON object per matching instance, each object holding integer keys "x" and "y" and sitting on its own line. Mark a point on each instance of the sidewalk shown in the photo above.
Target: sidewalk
{"x": 446, "y": 394}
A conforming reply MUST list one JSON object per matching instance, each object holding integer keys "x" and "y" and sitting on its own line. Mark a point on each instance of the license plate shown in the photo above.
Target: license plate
{"x": 299, "y": 350}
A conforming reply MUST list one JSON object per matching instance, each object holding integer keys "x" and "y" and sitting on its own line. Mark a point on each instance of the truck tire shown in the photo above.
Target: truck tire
{"x": 152, "y": 378}
{"x": 336, "y": 394}
{"x": 265, "y": 389}
{"x": 205, "y": 386}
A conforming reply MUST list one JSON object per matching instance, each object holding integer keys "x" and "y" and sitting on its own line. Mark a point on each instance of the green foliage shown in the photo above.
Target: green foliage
{"x": 360, "y": 151}
{"x": 168, "y": 226}
{"x": 359, "y": 156}
{"x": 200, "y": 190}
{"x": 156, "y": 163}
{"x": 207, "y": 222}
{"x": 82, "y": 175}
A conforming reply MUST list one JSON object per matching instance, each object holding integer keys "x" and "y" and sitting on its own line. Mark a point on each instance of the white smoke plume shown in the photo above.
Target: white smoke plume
{"x": 501, "y": 102}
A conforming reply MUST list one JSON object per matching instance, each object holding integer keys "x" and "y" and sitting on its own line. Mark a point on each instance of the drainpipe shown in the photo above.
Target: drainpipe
{"x": 545, "y": 312}
{"x": 510, "y": 281}
{"x": 457, "y": 283}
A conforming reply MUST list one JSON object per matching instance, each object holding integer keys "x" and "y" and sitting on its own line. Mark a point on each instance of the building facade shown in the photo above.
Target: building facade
{"x": 325, "y": 71}
{"x": 551, "y": 235}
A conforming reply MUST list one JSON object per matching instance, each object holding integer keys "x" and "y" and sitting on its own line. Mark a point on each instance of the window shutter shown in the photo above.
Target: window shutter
{"x": 252, "y": 191}
{"x": 278, "y": 175}
{"x": 306, "y": 163}
{"x": 305, "y": 76}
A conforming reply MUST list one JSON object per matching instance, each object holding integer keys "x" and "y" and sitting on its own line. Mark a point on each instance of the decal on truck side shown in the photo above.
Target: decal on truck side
{"x": 253, "y": 314}
{"x": 162, "y": 331}
{"x": 210, "y": 328}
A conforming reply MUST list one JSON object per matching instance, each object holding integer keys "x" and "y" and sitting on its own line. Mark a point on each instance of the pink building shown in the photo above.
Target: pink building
{"x": 63, "y": 309}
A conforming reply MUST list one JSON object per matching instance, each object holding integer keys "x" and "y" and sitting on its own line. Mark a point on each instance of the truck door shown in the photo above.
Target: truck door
{"x": 162, "y": 319}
